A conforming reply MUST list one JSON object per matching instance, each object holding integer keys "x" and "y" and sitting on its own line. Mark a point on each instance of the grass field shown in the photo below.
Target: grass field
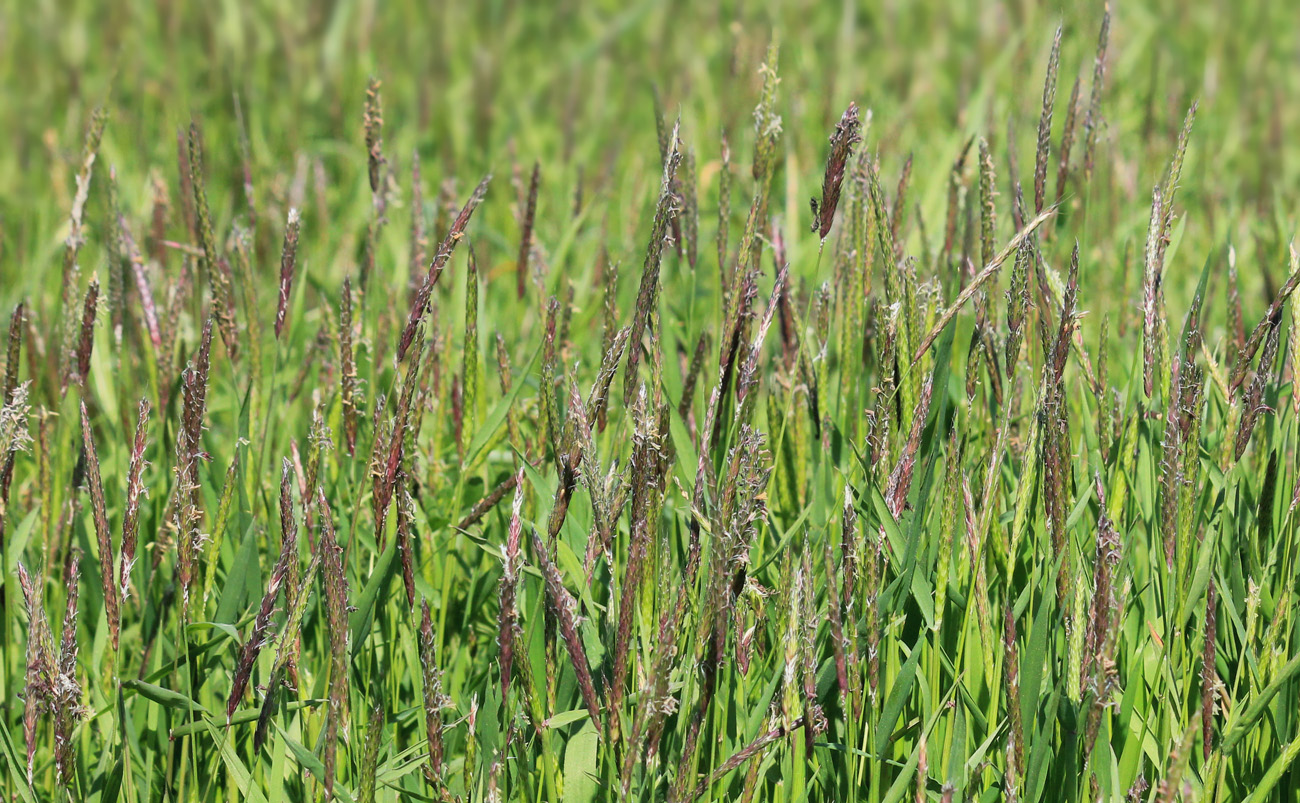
{"x": 465, "y": 402}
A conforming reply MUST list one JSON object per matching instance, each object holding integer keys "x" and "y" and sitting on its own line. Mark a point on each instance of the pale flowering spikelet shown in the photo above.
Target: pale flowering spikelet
{"x": 835, "y": 615}
{"x": 1015, "y": 736}
{"x": 42, "y": 670}
{"x": 188, "y": 515}
{"x": 507, "y": 625}
{"x": 1209, "y": 675}
{"x": 405, "y": 537}
{"x": 434, "y": 700}
{"x": 370, "y": 755}
{"x": 14, "y": 436}
{"x": 288, "y": 260}
{"x": 1172, "y": 178}
{"x": 813, "y": 715}
{"x": 118, "y": 264}
{"x": 66, "y": 699}
{"x": 1152, "y": 296}
{"x": 13, "y": 422}
{"x": 948, "y": 531}
{"x": 724, "y": 216}
{"x": 767, "y": 123}
{"x": 135, "y": 490}
{"x": 550, "y": 410}
{"x": 350, "y": 395}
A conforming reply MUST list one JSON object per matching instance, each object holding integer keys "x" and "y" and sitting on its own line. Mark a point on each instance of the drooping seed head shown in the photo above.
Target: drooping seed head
{"x": 847, "y": 134}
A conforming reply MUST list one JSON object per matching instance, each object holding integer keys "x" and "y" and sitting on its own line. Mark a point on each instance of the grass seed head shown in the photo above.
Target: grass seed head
{"x": 288, "y": 260}
{"x": 439, "y": 263}
{"x": 135, "y": 489}
{"x": 1092, "y": 121}
{"x": 565, "y": 609}
{"x": 218, "y": 279}
{"x": 847, "y": 135}
{"x": 434, "y": 700}
{"x": 66, "y": 703}
{"x": 1045, "y": 126}
{"x": 373, "y": 121}
{"x": 526, "y": 238}
{"x": 86, "y": 342}
{"x": 39, "y": 684}
{"x": 112, "y": 601}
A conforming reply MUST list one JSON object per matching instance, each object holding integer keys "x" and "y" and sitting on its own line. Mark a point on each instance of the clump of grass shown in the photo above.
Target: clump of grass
{"x": 962, "y": 527}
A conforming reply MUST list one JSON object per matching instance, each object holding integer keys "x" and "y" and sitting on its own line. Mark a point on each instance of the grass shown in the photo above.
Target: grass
{"x": 466, "y": 403}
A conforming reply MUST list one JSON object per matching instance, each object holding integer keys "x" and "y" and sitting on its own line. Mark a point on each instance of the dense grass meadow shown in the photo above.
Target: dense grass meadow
{"x": 465, "y": 402}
